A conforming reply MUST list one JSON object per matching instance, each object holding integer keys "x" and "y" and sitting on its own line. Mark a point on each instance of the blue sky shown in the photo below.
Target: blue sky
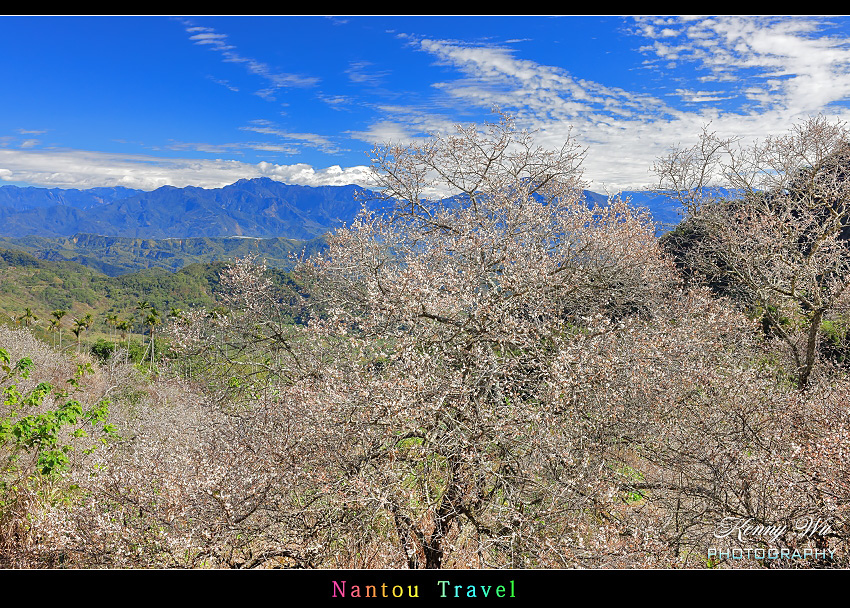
{"x": 204, "y": 100}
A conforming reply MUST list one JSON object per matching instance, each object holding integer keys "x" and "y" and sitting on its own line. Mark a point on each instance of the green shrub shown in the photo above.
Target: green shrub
{"x": 103, "y": 349}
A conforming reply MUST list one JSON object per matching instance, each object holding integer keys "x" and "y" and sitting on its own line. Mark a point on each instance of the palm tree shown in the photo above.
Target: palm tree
{"x": 53, "y": 327}
{"x": 112, "y": 321}
{"x": 124, "y": 327}
{"x": 78, "y": 328}
{"x": 58, "y": 314}
{"x": 87, "y": 322}
{"x": 152, "y": 320}
{"x": 28, "y": 317}
{"x": 142, "y": 306}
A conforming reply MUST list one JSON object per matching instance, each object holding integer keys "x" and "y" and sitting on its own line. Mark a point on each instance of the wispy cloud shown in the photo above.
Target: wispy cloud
{"x": 312, "y": 140}
{"x": 337, "y": 102}
{"x": 387, "y": 131}
{"x": 361, "y": 72}
{"x": 690, "y": 96}
{"x": 403, "y": 124}
{"x": 22, "y": 142}
{"x": 545, "y": 98}
{"x": 494, "y": 76}
{"x": 276, "y": 80}
{"x": 230, "y": 148}
{"x": 224, "y": 83}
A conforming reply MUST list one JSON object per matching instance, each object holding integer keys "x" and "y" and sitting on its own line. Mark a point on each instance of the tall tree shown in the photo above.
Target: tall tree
{"x": 58, "y": 314}
{"x": 28, "y": 317}
{"x": 437, "y": 374}
{"x": 152, "y": 320}
{"x": 124, "y": 327}
{"x": 112, "y": 321}
{"x": 77, "y": 329}
{"x": 779, "y": 238}
{"x": 53, "y": 327}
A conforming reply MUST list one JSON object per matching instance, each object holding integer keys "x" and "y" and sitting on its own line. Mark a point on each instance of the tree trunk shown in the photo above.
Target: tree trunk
{"x": 443, "y": 518}
{"x": 811, "y": 348}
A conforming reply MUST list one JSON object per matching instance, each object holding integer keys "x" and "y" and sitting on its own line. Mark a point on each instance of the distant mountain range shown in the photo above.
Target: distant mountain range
{"x": 33, "y": 198}
{"x": 259, "y": 207}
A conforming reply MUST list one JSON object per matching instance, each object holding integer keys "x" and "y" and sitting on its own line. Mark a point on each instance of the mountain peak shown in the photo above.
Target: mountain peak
{"x": 256, "y": 180}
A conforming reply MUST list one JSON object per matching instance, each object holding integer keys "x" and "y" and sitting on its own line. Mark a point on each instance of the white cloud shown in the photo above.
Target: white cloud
{"x": 336, "y": 102}
{"x": 766, "y": 73}
{"x": 224, "y": 83}
{"x": 210, "y": 39}
{"x": 85, "y": 169}
{"x": 493, "y": 76}
{"x": 230, "y": 148}
{"x": 689, "y": 96}
{"x": 385, "y": 131}
{"x": 814, "y": 66}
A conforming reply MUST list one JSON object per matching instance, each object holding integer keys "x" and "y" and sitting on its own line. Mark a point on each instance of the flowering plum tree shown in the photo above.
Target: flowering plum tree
{"x": 435, "y": 370}
{"x": 779, "y": 238}
{"x": 452, "y": 312}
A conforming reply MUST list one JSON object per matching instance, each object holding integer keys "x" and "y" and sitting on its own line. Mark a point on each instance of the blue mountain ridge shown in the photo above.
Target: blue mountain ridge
{"x": 258, "y": 207}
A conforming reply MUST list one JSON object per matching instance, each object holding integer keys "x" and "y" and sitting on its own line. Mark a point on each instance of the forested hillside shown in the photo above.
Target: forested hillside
{"x": 32, "y": 289}
{"x": 114, "y": 256}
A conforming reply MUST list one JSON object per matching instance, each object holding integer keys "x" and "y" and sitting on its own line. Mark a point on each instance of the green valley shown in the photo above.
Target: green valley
{"x": 31, "y": 289}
